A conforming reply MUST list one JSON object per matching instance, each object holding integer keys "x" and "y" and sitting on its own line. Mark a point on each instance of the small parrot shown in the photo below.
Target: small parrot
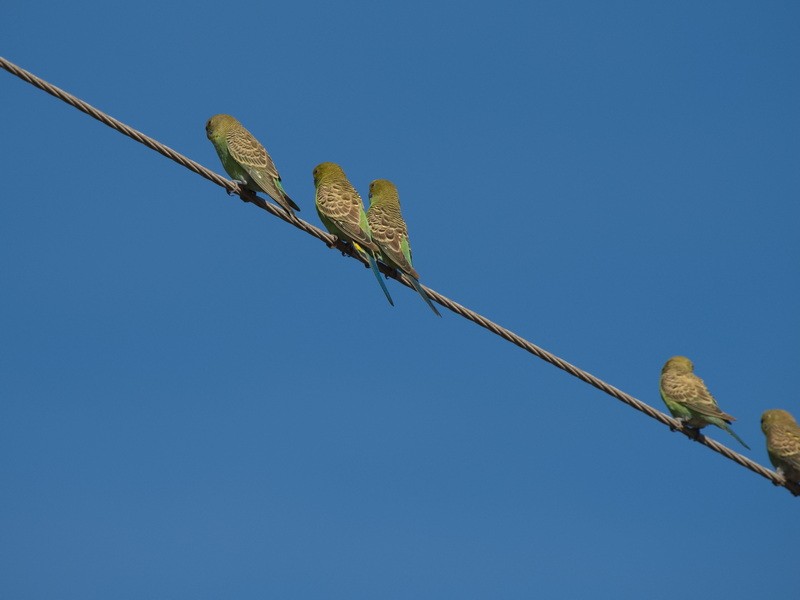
{"x": 688, "y": 399}
{"x": 342, "y": 212}
{"x": 246, "y": 160}
{"x": 390, "y": 233}
{"x": 783, "y": 442}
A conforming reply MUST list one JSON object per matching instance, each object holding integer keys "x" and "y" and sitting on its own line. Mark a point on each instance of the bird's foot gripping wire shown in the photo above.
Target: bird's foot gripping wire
{"x": 780, "y": 472}
{"x": 693, "y": 433}
{"x": 241, "y": 183}
{"x": 680, "y": 420}
{"x": 336, "y": 243}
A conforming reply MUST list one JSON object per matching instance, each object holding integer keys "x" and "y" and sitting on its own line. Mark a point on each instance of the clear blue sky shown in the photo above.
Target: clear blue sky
{"x": 199, "y": 401}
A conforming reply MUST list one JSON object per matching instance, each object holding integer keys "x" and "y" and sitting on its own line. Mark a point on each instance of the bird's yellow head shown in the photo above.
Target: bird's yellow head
{"x": 218, "y": 125}
{"x": 327, "y": 171}
{"x": 678, "y": 364}
{"x": 775, "y": 417}
{"x": 383, "y": 189}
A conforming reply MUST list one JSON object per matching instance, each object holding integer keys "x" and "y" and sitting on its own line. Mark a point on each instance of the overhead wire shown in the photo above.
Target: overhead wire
{"x": 506, "y": 334}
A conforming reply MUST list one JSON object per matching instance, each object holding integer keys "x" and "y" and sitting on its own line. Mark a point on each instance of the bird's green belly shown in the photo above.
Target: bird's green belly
{"x": 235, "y": 170}
{"x": 331, "y": 226}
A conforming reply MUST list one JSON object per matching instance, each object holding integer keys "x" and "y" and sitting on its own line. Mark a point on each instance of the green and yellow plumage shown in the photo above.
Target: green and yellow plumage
{"x": 688, "y": 399}
{"x": 246, "y": 160}
{"x": 390, "y": 233}
{"x": 783, "y": 442}
{"x": 341, "y": 210}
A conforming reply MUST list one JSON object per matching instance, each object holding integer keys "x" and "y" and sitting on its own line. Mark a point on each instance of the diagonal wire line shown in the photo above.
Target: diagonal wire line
{"x": 444, "y": 301}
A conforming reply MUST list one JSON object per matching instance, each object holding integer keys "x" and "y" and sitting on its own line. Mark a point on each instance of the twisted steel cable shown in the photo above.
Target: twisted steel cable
{"x": 444, "y": 301}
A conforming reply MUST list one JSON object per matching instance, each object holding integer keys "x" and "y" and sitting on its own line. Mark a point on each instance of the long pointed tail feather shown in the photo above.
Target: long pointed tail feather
{"x": 738, "y": 439}
{"x": 422, "y": 293}
{"x": 290, "y": 202}
{"x": 282, "y": 195}
{"x": 374, "y": 266}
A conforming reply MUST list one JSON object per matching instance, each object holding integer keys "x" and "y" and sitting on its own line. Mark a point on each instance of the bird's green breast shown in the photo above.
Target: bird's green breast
{"x": 331, "y": 226}
{"x": 232, "y": 168}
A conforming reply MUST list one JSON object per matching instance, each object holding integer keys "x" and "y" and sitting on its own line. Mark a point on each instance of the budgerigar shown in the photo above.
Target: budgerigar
{"x": 390, "y": 233}
{"x": 246, "y": 160}
{"x": 688, "y": 399}
{"x": 342, "y": 212}
{"x": 783, "y": 442}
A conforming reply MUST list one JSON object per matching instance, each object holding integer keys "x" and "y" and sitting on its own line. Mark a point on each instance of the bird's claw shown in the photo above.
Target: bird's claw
{"x": 681, "y": 421}
{"x": 241, "y": 185}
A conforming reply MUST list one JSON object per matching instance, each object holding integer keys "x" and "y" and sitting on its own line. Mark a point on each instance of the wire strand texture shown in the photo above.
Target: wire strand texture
{"x": 444, "y": 301}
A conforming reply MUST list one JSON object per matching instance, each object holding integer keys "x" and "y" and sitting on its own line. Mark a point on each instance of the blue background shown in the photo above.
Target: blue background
{"x": 199, "y": 401}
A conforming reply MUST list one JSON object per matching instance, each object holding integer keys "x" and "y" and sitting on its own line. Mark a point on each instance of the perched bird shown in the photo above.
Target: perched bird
{"x": 688, "y": 399}
{"x": 342, "y": 212}
{"x": 246, "y": 160}
{"x": 390, "y": 233}
{"x": 783, "y": 442}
